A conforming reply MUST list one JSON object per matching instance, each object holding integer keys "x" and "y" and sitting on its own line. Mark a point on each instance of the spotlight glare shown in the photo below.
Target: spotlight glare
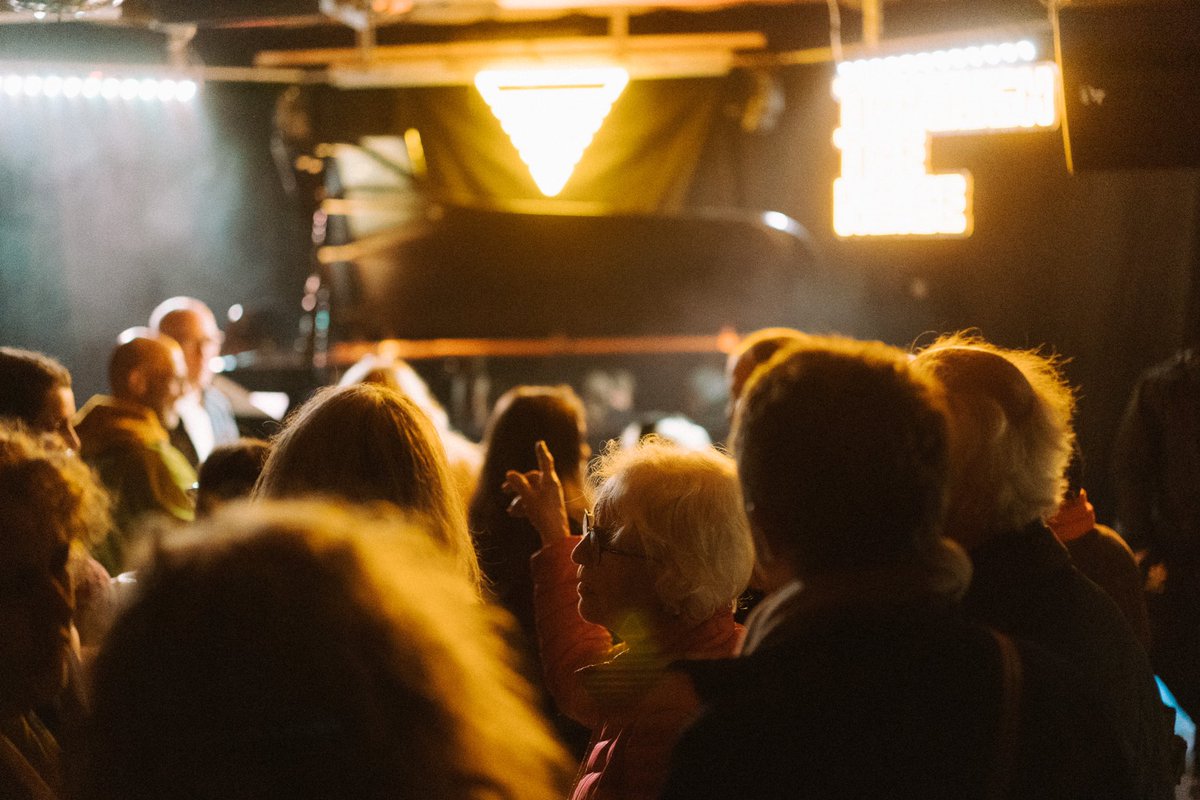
{"x": 91, "y": 86}
{"x": 72, "y": 86}
{"x": 1026, "y": 51}
{"x": 148, "y": 89}
{"x": 52, "y": 86}
{"x": 110, "y": 88}
{"x": 129, "y": 88}
{"x": 166, "y": 90}
{"x": 185, "y": 90}
{"x": 32, "y": 85}
{"x": 12, "y": 85}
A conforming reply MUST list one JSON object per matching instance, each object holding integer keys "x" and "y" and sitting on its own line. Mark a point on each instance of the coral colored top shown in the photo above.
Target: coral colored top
{"x": 635, "y": 707}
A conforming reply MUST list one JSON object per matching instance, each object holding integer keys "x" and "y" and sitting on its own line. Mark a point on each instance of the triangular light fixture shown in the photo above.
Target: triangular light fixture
{"x": 551, "y": 115}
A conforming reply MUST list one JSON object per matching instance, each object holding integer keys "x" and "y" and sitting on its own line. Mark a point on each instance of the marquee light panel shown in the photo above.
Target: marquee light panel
{"x": 890, "y": 107}
{"x": 551, "y": 116}
{"x": 96, "y": 86}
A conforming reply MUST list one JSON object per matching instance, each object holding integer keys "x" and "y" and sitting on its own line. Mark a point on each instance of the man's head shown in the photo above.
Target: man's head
{"x": 148, "y": 370}
{"x": 192, "y": 324}
{"x": 1011, "y": 437}
{"x": 754, "y": 349}
{"x": 36, "y": 390}
{"x": 842, "y": 453}
{"x": 48, "y": 499}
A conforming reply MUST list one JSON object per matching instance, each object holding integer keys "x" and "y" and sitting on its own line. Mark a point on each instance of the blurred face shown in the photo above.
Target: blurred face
{"x": 165, "y": 382}
{"x": 36, "y": 603}
{"x": 616, "y": 579}
{"x": 200, "y": 339}
{"x": 58, "y": 409}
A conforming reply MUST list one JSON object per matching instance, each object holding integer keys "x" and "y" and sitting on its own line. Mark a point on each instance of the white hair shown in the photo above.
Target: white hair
{"x": 686, "y": 508}
{"x": 1011, "y": 434}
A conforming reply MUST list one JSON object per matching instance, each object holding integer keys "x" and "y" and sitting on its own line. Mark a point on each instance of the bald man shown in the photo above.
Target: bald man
{"x": 205, "y": 412}
{"x": 124, "y": 438}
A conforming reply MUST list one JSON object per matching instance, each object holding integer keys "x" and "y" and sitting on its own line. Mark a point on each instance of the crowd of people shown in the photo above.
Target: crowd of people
{"x": 889, "y": 583}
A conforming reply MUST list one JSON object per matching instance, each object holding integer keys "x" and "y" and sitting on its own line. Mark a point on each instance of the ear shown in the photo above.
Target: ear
{"x": 137, "y": 382}
{"x": 770, "y": 571}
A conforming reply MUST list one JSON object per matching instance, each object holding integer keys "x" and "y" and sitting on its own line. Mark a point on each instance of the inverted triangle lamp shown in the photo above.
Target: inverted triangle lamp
{"x": 551, "y": 115}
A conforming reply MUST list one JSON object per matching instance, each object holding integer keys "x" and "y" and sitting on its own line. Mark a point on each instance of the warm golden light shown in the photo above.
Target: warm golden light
{"x": 891, "y": 106}
{"x": 551, "y": 115}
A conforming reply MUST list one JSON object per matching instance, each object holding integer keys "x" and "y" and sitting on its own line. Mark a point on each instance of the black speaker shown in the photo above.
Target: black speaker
{"x": 1131, "y": 84}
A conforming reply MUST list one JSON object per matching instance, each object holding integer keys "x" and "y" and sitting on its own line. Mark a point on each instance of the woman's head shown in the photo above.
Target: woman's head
{"x": 368, "y": 443}
{"x": 521, "y": 418}
{"x": 1010, "y": 434}
{"x": 670, "y": 517}
{"x": 306, "y": 650}
{"x": 48, "y": 500}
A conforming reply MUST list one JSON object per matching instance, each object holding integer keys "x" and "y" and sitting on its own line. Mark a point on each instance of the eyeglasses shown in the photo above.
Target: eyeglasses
{"x": 595, "y": 537}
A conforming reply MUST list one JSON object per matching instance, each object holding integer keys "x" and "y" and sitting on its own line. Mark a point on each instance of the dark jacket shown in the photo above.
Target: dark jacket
{"x": 895, "y": 701}
{"x": 1025, "y": 585}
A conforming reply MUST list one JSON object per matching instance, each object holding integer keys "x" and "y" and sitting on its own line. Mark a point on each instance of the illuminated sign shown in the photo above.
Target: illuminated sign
{"x": 551, "y": 115}
{"x": 891, "y": 107}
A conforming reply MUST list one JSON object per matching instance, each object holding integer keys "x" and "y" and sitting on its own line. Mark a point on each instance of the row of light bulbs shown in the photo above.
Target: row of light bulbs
{"x": 97, "y": 85}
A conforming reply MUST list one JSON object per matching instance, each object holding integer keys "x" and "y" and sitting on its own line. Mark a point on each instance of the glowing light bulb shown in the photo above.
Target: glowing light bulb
{"x": 551, "y": 116}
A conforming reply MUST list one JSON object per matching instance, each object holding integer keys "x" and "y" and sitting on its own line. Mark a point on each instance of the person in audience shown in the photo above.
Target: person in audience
{"x": 229, "y": 473}
{"x": 464, "y": 456}
{"x": 662, "y": 558}
{"x": 1011, "y": 420}
{"x": 124, "y": 438}
{"x": 522, "y": 417}
{"x": 1156, "y": 474}
{"x": 754, "y": 349}
{"x": 308, "y": 650}
{"x": 205, "y": 411}
{"x": 48, "y": 500}
{"x": 859, "y": 677}
{"x": 1099, "y": 552}
{"x": 35, "y": 392}
{"x": 367, "y": 443}
{"x": 36, "y": 389}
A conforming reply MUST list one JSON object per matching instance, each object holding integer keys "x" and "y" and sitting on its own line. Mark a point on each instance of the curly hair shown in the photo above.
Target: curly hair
{"x": 335, "y": 653}
{"x": 685, "y": 507}
{"x": 1011, "y": 434}
{"x": 40, "y": 484}
{"x": 369, "y": 443}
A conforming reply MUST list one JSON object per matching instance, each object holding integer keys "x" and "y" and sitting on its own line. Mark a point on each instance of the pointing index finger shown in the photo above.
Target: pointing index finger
{"x": 545, "y": 459}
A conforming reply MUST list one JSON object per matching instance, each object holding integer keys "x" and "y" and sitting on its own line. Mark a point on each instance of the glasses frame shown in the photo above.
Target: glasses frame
{"x": 597, "y": 544}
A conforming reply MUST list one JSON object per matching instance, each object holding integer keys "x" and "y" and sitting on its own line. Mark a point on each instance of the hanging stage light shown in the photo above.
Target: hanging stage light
{"x": 551, "y": 115}
{"x": 61, "y": 9}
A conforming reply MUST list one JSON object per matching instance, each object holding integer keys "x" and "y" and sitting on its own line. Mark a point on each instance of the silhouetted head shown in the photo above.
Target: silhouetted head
{"x": 368, "y": 443}
{"x": 1011, "y": 436}
{"x": 36, "y": 391}
{"x": 307, "y": 650}
{"x": 842, "y": 453}
{"x": 148, "y": 369}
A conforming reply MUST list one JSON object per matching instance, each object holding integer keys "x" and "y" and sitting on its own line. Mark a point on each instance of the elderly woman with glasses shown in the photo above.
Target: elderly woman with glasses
{"x": 661, "y": 561}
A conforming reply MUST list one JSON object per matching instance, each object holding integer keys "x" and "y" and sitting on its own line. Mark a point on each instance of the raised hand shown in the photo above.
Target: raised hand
{"x": 538, "y": 496}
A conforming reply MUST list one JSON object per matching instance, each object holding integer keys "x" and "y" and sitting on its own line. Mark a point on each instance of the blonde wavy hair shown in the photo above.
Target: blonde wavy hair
{"x": 310, "y": 650}
{"x": 685, "y": 507}
{"x": 1011, "y": 434}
